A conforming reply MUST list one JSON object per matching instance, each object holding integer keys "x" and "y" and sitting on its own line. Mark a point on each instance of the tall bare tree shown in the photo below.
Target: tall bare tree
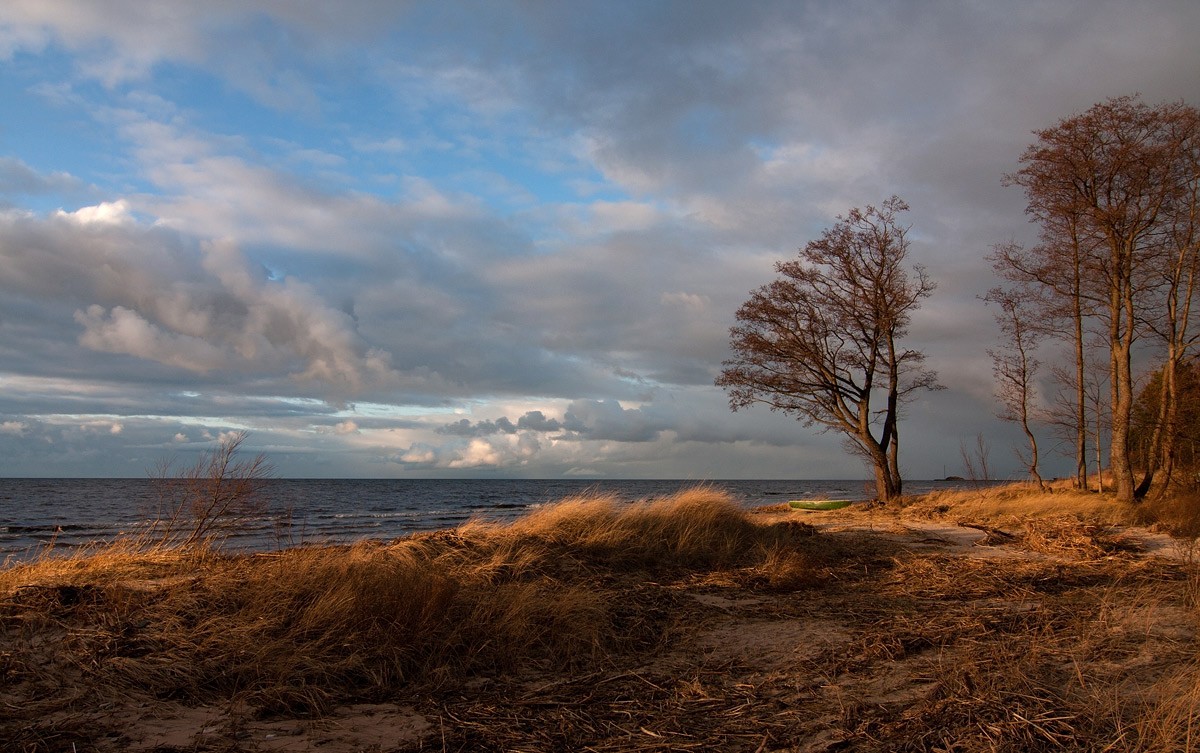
{"x": 822, "y": 342}
{"x": 1055, "y": 272}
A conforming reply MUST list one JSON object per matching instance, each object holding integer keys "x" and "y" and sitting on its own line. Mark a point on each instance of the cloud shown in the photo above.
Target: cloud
{"x": 535, "y": 420}
{"x": 143, "y": 292}
{"x": 478, "y": 453}
{"x": 17, "y": 178}
{"x": 606, "y": 419}
{"x": 123, "y": 331}
{"x": 104, "y": 213}
{"x": 464, "y": 428}
{"x": 118, "y": 41}
{"x": 590, "y": 419}
{"x": 578, "y": 472}
{"x": 419, "y": 455}
{"x": 14, "y": 428}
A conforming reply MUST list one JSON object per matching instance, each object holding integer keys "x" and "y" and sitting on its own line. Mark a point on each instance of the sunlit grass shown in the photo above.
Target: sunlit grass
{"x": 1014, "y": 502}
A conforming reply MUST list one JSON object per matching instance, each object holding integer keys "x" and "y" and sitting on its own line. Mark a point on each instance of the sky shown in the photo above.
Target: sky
{"x": 504, "y": 239}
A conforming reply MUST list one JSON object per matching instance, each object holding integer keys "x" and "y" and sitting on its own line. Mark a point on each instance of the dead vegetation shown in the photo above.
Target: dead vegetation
{"x": 677, "y": 624}
{"x": 1009, "y": 504}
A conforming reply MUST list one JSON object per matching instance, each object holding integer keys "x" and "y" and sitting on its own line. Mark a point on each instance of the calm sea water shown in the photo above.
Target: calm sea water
{"x": 75, "y": 512}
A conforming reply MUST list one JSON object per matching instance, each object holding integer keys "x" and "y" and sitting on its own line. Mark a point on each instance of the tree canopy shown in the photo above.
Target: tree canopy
{"x": 822, "y": 341}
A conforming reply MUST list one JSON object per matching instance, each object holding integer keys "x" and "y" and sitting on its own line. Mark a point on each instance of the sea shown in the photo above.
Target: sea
{"x": 66, "y": 514}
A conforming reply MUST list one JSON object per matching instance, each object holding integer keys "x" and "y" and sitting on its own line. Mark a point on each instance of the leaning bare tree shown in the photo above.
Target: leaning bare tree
{"x": 822, "y": 342}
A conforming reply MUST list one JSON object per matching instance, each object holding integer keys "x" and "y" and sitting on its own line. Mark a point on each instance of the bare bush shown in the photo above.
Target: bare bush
{"x": 205, "y": 502}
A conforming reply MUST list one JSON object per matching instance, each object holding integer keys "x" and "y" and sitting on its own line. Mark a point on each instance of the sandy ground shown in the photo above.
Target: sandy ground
{"x": 837, "y": 667}
{"x": 962, "y": 540}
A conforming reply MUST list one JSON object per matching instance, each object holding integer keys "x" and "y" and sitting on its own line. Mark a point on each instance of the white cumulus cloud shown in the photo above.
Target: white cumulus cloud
{"x": 104, "y": 213}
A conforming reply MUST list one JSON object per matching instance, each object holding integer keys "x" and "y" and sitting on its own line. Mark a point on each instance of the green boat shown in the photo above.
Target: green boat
{"x": 818, "y": 504}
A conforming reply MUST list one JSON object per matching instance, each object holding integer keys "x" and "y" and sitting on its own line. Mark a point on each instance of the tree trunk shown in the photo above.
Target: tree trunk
{"x": 1033, "y": 446}
{"x": 1160, "y": 439}
{"x": 897, "y": 482}
{"x": 1081, "y": 480}
{"x": 1122, "y": 404}
{"x": 886, "y": 484}
{"x": 1121, "y": 326}
{"x": 1170, "y": 417}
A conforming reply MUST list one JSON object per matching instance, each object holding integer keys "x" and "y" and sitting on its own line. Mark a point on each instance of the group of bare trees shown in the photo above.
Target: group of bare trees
{"x": 1115, "y": 192}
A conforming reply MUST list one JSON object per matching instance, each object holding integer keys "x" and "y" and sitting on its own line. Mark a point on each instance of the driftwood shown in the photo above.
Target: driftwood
{"x": 992, "y": 536}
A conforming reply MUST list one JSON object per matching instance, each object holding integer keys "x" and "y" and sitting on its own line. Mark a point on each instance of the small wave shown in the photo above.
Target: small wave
{"x": 45, "y": 528}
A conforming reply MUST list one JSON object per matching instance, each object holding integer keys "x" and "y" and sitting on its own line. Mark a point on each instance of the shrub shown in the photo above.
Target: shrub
{"x": 205, "y": 502}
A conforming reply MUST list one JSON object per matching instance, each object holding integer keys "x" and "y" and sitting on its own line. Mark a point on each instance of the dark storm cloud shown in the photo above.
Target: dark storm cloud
{"x": 535, "y": 420}
{"x": 465, "y": 428}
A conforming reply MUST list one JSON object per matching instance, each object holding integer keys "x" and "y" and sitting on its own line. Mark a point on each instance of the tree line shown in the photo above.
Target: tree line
{"x": 1115, "y": 194}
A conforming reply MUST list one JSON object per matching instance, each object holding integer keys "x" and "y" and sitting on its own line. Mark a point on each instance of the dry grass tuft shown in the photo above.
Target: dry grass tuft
{"x": 118, "y": 562}
{"x": 1177, "y": 513}
{"x": 698, "y": 528}
{"x": 1006, "y": 504}
{"x": 785, "y": 569}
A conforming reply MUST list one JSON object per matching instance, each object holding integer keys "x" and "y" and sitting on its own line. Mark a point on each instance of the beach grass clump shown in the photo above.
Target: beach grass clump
{"x": 288, "y": 629}
{"x": 693, "y": 529}
{"x": 1072, "y": 537}
{"x": 115, "y": 562}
